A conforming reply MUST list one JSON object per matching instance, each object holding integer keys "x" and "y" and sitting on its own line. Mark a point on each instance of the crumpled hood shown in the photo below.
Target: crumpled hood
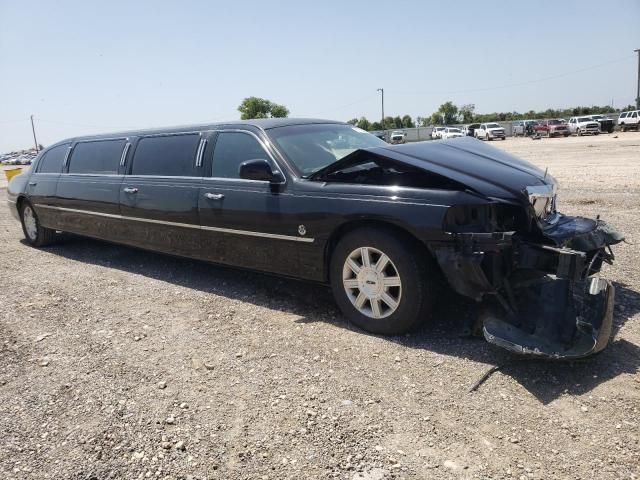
{"x": 484, "y": 169}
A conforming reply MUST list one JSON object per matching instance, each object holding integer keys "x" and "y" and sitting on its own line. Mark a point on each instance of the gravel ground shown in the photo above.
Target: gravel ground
{"x": 118, "y": 363}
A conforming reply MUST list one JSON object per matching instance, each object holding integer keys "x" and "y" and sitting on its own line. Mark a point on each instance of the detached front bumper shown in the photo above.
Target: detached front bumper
{"x": 539, "y": 299}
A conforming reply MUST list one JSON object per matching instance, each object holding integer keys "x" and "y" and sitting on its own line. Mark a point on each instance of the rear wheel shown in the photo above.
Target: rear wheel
{"x": 36, "y": 234}
{"x": 381, "y": 282}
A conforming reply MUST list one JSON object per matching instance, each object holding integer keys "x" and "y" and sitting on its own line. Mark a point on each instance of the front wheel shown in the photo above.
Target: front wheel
{"x": 380, "y": 281}
{"x": 36, "y": 234}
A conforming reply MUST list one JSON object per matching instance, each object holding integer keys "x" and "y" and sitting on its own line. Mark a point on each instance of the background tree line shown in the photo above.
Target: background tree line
{"x": 447, "y": 114}
{"x": 450, "y": 114}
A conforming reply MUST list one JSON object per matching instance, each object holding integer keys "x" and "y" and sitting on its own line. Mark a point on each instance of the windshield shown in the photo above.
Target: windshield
{"x": 596, "y": 117}
{"x": 584, "y": 119}
{"x": 493, "y": 125}
{"x": 312, "y": 147}
{"x": 554, "y": 122}
{"x": 454, "y": 130}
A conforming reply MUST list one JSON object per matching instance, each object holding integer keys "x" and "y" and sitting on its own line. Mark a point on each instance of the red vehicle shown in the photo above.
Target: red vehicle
{"x": 552, "y": 128}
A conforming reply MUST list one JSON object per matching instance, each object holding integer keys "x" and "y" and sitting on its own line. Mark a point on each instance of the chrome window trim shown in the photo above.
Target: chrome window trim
{"x": 125, "y": 151}
{"x": 118, "y": 175}
{"x": 165, "y": 177}
{"x": 274, "y": 236}
{"x": 65, "y": 163}
{"x": 264, "y": 146}
{"x": 172, "y": 134}
{"x": 200, "y": 152}
{"x": 107, "y": 139}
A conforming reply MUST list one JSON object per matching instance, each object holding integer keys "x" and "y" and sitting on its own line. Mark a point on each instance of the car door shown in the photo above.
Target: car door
{"x": 572, "y": 125}
{"x": 159, "y": 194}
{"x": 43, "y": 183}
{"x": 249, "y": 223}
{"x": 89, "y": 187}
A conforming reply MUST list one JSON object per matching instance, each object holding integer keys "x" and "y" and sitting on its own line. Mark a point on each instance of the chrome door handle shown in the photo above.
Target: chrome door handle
{"x": 214, "y": 196}
{"x": 130, "y": 190}
{"x": 33, "y": 184}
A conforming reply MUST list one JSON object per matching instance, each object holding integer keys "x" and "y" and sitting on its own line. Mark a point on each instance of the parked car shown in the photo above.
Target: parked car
{"x": 629, "y": 120}
{"x": 551, "y": 128}
{"x": 437, "y": 132}
{"x": 606, "y": 123}
{"x": 523, "y": 127}
{"x": 469, "y": 129}
{"x": 327, "y": 202}
{"x": 397, "y": 137}
{"x": 489, "y": 131}
{"x": 583, "y": 125}
{"x": 452, "y": 132}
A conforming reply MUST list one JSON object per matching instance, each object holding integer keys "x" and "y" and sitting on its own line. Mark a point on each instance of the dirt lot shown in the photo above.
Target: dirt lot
{"x": 117, "y": 363}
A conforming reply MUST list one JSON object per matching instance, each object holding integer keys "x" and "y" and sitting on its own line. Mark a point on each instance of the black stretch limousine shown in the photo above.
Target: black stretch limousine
{"x": 383, "y": 225}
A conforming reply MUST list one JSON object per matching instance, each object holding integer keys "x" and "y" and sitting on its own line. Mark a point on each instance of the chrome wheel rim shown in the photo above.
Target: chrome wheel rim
{"x": 30, "y": 223}
{"x": 372, "y": 282}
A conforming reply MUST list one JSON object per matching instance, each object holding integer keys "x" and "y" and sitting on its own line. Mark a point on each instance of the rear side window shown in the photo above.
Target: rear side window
{"x": 53, "y": 159}
{"x": 171, "y": 156}
{"x": 623, "y": 115}
{"x": 233, "y": 148}
{"x": 96, "y": 157}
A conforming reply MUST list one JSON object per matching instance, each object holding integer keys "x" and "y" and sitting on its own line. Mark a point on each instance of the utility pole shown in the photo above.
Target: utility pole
{"x": 381, "y": 90}
{"x": 33, "y": 129}
{"x": 637, "y": 50}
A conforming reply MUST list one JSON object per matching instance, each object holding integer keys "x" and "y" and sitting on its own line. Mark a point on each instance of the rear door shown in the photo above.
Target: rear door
{"x": 159, "y": 195}
{"x": 89, "y": 187}
{"x": 43, "y": 183}
{"x": 249, "y": 223}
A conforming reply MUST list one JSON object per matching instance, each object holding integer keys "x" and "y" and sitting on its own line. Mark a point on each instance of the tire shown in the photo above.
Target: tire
{"x": 35, "y": 234}
{"x": 579, "y": 133}
{"x": 415, "y": 281}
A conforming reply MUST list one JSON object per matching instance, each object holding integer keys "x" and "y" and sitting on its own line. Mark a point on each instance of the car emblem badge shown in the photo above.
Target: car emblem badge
{"x": 302, "y": 230}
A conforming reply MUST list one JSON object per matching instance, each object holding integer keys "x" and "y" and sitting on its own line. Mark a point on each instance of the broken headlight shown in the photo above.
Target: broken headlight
{"x": 543, "y": 201}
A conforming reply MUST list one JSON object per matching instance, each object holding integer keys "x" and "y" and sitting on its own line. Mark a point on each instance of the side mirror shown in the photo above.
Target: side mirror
{"x": 259, "y": 169}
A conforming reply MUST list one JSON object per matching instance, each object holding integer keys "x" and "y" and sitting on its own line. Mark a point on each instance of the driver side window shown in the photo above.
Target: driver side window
{"x": 231, "y": 150}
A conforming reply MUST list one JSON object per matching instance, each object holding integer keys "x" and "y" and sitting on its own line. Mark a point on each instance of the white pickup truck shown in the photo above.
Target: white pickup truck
{"x": 489, "y": 131}
{"x": 583, "y": 125}
{"x": 628, "y": 120}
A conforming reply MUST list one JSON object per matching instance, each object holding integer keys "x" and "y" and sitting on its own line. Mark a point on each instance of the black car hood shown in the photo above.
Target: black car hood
{"x": 482, "y": 168}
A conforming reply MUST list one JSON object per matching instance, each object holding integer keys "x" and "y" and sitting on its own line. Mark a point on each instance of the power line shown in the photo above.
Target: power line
{"x": 517, "y": 84}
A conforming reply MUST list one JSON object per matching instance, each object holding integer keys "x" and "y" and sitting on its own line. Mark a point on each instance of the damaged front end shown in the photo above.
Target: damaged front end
{"x": 535, "y": 271}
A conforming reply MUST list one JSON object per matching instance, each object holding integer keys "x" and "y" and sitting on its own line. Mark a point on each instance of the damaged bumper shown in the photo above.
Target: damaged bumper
{"x": 541, "y": 298}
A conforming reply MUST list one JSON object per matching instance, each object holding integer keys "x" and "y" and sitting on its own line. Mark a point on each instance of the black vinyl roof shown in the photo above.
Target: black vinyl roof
{"x": 260, "y": 123}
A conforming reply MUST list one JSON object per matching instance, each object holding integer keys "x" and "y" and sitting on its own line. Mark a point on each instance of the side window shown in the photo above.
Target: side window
{"x": 96, "y": 157}
{"x": 635, "y": 115}
{"x": 623, "y": 115}
{"x": 233, "y": 148}
{"x": 53, "y": 159}
{"x": 171, "y": 156}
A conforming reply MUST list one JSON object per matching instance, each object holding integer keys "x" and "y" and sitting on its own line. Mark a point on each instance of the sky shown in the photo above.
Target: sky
{"x": 83, "y": 67}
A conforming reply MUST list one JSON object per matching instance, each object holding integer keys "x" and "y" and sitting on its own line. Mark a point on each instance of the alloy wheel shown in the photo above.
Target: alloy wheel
{"x": 30, "y": 223}
{"x": 372, "y": 282}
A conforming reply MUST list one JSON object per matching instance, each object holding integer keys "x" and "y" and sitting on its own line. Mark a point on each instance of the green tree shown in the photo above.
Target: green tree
{"x": 364, "y": 124}
{"x": 407, "y": 122}
{"x": 353, "y": 121}
{"x": 466, "y": 112}
{"x": 448, "y": 113}
{"x": 376, "y": 126}
{"x": 255, "y": 107}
